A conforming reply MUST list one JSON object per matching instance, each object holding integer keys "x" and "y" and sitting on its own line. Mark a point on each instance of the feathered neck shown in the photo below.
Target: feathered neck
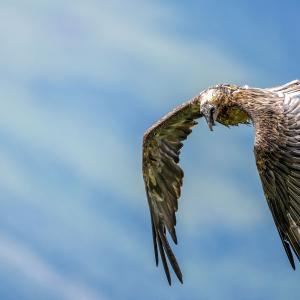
{"x": 260, "y": 105}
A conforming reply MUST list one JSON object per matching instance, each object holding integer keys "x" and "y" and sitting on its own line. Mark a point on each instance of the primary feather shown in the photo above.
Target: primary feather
{"x": 163, "y": 176}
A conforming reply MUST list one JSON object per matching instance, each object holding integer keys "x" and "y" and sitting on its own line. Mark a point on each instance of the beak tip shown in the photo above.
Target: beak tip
{"x": 209, "y": 117}
{"x": 210, "y": 125}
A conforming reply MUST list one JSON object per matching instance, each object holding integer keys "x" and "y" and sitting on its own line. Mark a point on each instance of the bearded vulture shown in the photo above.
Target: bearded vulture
{"x": 275, "y": 115}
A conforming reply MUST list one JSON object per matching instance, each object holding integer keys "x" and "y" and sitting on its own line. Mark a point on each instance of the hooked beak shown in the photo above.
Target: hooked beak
{"x": 209, "y": 116}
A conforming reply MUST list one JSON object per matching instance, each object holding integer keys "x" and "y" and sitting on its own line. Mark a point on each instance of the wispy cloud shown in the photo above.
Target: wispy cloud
{"x": 99, "y": 42}
{"x": 29, "y": 264}
{"x": 94, "y": 154}
{"x": 107, "y": 43}
{"x": 136, "y": 58}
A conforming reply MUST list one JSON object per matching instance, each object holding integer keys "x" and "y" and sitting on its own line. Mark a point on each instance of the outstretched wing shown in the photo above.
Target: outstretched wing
{"x": 163, "y": 176}
{"x": 279, "y": 171}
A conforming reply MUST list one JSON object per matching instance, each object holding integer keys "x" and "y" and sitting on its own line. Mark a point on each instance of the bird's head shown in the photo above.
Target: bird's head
{"x": 213, "y": 103}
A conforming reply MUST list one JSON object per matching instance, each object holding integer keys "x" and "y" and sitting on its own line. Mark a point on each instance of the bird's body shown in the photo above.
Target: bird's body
{"x": 275, "y": 115}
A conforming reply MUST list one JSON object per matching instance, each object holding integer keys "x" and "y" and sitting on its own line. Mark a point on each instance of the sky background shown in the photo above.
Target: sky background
{"x": 80, "y": 82}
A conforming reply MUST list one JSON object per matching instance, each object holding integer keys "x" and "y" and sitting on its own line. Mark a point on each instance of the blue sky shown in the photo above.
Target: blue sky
{"x": 80, "y": 81}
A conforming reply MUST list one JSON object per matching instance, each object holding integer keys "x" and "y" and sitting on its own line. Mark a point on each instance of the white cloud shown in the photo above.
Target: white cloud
{"x": 119, "y": 46}
{"x": 99, "y": 42}
{"x": 95, "y": 154}
{"x": 25, "y": 261}
{"x": 110, "y": 44}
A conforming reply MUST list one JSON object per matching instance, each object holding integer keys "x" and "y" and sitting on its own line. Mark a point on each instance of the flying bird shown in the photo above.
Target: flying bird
{"x": 275, "y": 115}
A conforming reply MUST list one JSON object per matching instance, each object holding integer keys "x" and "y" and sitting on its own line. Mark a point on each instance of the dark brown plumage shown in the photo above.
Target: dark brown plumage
{"x": 275, "y": 115}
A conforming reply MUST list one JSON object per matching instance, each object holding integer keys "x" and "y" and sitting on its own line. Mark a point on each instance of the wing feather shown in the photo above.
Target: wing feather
{"x": 279, "y": 171}
{"x": 163, "y": 176}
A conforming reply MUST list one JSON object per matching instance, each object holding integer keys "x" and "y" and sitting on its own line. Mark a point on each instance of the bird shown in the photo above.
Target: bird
{"x": 275, "y": 115}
